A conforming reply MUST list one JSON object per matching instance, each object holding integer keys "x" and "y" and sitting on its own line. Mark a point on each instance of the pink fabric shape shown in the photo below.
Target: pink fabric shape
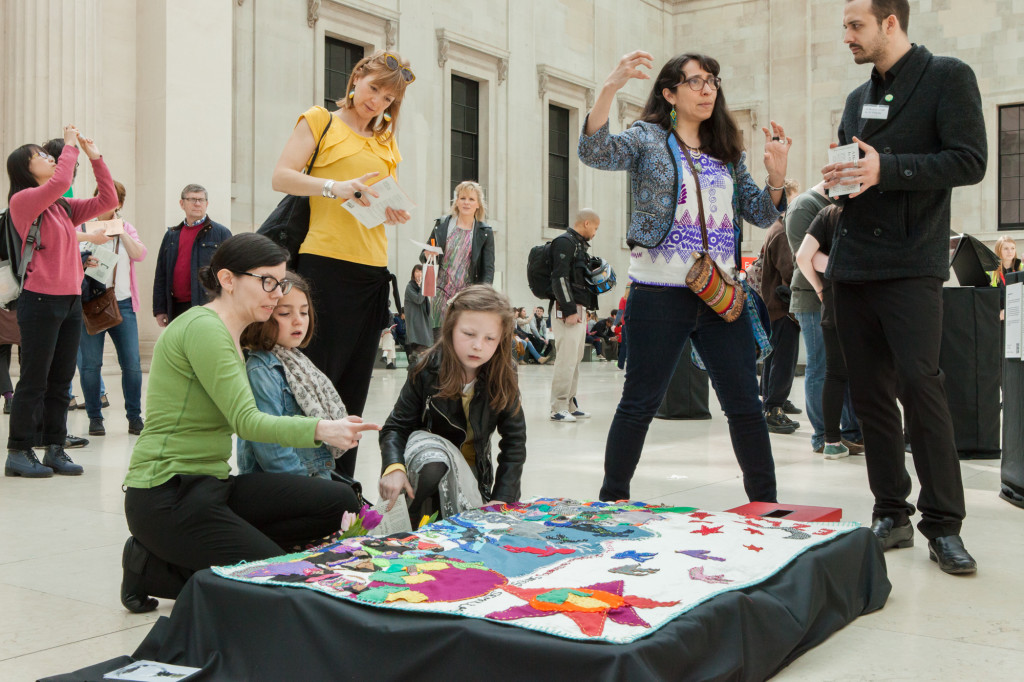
{"x": 545, "y": 552}
{"x": 456, "y": 584}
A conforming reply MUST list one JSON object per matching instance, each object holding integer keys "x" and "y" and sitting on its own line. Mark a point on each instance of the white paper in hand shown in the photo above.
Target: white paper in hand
{"x": 104, "y": 272}
{"x": 390, "y": 196}
{"x": 394, "y": 521}
{"x": 848, "y": 153}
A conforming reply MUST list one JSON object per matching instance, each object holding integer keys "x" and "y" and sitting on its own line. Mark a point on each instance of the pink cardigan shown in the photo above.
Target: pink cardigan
{"x": 56, "y": 269}
{"x": 130, "y": 230}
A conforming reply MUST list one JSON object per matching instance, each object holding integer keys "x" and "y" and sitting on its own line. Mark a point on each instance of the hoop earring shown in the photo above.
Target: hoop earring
{"x": 672, "y": 117}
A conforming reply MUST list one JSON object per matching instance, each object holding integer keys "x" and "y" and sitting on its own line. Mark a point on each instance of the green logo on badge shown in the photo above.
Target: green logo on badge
{"x": 888, "y": 98}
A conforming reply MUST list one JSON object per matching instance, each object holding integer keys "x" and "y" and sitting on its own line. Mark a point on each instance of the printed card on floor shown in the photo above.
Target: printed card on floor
{"x": 848, "y": 153}
{"x": 145, "y": 671}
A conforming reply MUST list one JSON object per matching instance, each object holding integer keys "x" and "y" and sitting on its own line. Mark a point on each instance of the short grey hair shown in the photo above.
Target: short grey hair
{"x": 193, "y": 188}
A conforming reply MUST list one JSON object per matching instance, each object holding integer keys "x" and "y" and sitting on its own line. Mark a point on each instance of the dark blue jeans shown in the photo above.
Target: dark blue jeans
{"x": 660, "y": 321}
{"x": 126, "y": 342}
{"x": 50, "y": 327}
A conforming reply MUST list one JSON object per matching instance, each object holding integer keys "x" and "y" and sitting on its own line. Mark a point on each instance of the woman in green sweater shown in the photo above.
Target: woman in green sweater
{"x": 184, "y": 509}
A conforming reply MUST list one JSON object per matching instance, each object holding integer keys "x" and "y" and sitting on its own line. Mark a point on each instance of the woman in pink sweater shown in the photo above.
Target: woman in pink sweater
{"x": 50, "y": 305}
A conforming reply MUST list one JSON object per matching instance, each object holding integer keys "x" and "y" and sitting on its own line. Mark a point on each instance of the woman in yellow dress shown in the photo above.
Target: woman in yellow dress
{"x": 344, "y": 260}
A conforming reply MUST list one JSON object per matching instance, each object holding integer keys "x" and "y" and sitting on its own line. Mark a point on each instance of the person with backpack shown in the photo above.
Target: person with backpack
{"x": 468, "y": 246}
{"x": 690, "y": 188}
{"x": 572, "y": 297}
{"x": 50, "y": 305}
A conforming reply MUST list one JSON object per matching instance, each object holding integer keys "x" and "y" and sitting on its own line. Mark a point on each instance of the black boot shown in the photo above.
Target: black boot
{"x": 58, "y": 460}
{"x": 133, "y": 563}
{"x": 24, "y": 463}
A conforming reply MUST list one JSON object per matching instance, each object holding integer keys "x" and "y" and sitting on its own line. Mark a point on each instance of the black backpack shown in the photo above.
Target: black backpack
{"x": 538, "y": 269}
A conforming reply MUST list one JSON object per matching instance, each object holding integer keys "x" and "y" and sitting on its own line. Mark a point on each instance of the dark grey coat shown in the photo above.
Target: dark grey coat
{"x": 933, "y": 140}
{"x": 417, "y": 316}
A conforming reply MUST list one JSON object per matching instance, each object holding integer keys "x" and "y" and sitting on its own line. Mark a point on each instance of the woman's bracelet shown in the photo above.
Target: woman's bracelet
{"x": 773, "y": 189}
{"x": 328, "y": 189}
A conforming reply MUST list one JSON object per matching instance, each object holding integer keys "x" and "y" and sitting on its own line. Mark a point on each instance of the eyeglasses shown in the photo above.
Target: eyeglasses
{"x": 271, "y": 283}
{"x": 44, "y": 156}
{"x": 697, "y": 83}
{"x": 195, "y": 200}
{"x": 392, "y": 62}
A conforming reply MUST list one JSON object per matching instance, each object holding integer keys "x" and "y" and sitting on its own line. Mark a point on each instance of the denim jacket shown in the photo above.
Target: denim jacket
{"x": 651, "y": 155}
{"x": 266, "y": 376}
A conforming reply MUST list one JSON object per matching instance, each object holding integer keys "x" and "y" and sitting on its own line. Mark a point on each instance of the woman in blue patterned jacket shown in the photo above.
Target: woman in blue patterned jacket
{"x": 685, "y": 143}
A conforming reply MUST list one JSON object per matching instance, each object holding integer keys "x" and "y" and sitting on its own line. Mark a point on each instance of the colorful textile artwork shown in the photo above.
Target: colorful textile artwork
{"x": 581, "y": 570}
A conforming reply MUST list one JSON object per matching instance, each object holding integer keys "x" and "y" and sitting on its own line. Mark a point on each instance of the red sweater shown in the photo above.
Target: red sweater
{"x": 181, "y": 281}
{"x": 56, "y": 269}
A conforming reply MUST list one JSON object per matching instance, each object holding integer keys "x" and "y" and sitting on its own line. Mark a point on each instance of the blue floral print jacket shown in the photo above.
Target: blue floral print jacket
{"x": 651, "y": 155}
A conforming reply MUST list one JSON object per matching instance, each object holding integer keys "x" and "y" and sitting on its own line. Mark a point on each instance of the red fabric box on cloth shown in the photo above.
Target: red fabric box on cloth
{"x": 790, "y": 512}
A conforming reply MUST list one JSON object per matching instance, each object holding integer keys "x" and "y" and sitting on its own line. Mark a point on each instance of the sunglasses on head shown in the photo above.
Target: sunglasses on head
{"x": 392, "y": 62}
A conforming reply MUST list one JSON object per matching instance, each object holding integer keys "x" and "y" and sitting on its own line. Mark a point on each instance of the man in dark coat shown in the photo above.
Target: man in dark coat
{"x": 919, "y": 125}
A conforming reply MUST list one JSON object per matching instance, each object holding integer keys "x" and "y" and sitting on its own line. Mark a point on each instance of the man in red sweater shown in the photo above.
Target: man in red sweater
{"x": 186, "y": 247}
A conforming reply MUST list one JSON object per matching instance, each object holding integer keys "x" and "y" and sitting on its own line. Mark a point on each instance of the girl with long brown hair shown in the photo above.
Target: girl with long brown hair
{"x": 435, "y": 446}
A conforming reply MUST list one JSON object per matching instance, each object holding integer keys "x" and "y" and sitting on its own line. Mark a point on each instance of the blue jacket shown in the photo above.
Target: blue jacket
{"x": 651, "y": 155}
{"x": 207, "y": 241}
{"x": 266, "y": 376}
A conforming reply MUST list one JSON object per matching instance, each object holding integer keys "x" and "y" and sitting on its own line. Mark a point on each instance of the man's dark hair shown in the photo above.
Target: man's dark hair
{"x": 884, "y": 8}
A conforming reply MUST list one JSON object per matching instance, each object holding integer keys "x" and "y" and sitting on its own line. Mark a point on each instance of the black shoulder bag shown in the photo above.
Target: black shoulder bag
{"x": 288, "y": 224}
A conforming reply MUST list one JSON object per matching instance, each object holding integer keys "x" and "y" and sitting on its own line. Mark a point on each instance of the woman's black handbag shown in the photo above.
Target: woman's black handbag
{"x": 288, "y": 224}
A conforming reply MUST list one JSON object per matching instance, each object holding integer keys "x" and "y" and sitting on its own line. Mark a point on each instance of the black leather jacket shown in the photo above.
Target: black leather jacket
{"x": 418, "y": 409}
{"x": 481, "y": 266}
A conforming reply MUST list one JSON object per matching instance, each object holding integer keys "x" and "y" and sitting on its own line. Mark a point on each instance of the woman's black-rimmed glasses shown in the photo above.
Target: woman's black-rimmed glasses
{"x": 271, "y": 283}
{"x": 697, "y": 83}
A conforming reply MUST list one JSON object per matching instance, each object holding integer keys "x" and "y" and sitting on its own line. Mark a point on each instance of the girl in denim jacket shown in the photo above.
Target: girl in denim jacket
{"x": 286, "y": 383}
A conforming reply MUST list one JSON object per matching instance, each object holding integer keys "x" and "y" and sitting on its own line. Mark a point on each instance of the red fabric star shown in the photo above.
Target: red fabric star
{"x": 708, "y": 530}
{"x": 700, "y": 515}
{"x": 753, "y": 548}
{"x": 752, "y": 531}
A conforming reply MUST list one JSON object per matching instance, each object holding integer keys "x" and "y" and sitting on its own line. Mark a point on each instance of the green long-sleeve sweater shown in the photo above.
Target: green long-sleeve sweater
{"x": 199, "y": 395}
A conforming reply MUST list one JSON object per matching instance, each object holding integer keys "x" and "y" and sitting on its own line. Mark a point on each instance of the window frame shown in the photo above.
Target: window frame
{"x": 1002, "y": 225}
{"x": 461, "y": 134}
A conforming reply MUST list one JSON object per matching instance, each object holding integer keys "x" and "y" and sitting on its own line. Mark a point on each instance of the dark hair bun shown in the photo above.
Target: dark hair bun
{"x": 209, "y": 281}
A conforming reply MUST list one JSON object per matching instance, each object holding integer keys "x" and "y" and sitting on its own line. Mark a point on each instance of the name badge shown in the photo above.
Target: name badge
{"x": 875, "y": 111}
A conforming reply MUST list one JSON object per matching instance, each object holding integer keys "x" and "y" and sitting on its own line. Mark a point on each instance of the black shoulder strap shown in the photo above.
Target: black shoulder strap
{"x": 319, "y": 142}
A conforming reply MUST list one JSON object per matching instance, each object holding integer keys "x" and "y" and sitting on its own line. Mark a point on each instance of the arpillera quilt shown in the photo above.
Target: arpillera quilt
{"x": 581, "y": 570}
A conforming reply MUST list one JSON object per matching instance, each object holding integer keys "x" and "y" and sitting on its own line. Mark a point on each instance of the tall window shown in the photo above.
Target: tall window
{"x": 339, "y": 60}
{"x": 558, "y": 167}
{"x": 1011, "y": 167}
{"x": 465, "y": 130}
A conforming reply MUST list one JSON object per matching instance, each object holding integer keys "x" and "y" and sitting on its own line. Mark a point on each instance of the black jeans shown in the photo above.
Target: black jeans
{"x": 193, "y": 522}
{"x": 50, "y": 330}
{"x": 833, "y": 392}
{"x": 5, "y": 369}
{"x": 351, "y": 309}
{"x": 660, "y": 321}
{"x": 890, "y": 332}
{"x": 780, "y": 365}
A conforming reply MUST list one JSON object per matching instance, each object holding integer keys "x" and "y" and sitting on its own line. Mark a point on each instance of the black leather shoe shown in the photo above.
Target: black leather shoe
{"x": 135, "y": 426}
{"x": 133, "y": 562}
{"x": 24, "y": 463}
{"x": 790, "y": 408}
{"x": 890, "y": 535}
{"x": 75, "y": 442}
{"x": 58, "y": 460}
{"x": 96, "y": 427}
{"x": 778, "y": 422}
{"x": 948, "y": 551}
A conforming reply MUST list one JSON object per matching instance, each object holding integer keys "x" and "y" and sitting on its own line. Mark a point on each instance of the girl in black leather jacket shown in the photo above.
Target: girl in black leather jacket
{"x": 435, "y": 445}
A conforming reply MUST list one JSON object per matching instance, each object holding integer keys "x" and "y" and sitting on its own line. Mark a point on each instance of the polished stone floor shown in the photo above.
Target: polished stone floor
{"x": 61, "y": 539}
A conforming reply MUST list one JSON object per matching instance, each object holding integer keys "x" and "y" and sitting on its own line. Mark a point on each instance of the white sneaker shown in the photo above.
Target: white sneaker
{"x": 580, "y": 414}
{"x": 562, "y": 416}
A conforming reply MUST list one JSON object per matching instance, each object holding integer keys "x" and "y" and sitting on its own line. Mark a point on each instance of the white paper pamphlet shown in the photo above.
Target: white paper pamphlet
{"x": 390, "y": 196}
{"x": 147, "y": 671}
{"x": 104, "y": 272}
{"x": 394, "y": 521}
{"x": 435, "y": 250}
{"x": 1014, "y": 296}
{"x": 848, "y": 153}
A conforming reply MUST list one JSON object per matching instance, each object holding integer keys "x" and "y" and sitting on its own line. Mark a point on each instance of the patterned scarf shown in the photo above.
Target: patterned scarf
{"x": 313, "y": 391}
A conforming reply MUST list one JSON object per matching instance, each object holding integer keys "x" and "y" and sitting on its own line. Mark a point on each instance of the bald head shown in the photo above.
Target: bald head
{"x": 586, "y": 223}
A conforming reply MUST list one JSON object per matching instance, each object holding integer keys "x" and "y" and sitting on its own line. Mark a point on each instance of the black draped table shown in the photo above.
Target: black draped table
{"x": 1012, "y": 467}
{"x": 239, "y": 631}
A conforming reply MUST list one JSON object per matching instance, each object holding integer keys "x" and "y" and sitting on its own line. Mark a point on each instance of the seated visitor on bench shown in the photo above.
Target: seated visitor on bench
{"x": 435, "y": 446}
{"x": 184, "y": 509}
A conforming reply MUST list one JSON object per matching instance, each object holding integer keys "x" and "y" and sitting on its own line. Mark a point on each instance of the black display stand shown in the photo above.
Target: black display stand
{"x": 687, "y": 395}
{"x": 971, "y": 359}
{"x": 1012, "y": 472}
{"x": 239, "y": 631}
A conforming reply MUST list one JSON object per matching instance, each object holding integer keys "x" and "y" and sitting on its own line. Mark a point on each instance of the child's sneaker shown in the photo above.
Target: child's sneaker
{"x": 562, "y": 416}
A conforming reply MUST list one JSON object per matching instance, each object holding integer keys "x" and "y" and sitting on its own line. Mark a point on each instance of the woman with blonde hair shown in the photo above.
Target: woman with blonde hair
{"x": 1006, "y": 251}
{"x": 468, "y": 245}
{"x": 344, "y": 260}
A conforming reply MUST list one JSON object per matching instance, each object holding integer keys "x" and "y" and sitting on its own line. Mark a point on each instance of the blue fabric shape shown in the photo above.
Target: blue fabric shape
{"x": 639, "y": 557}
